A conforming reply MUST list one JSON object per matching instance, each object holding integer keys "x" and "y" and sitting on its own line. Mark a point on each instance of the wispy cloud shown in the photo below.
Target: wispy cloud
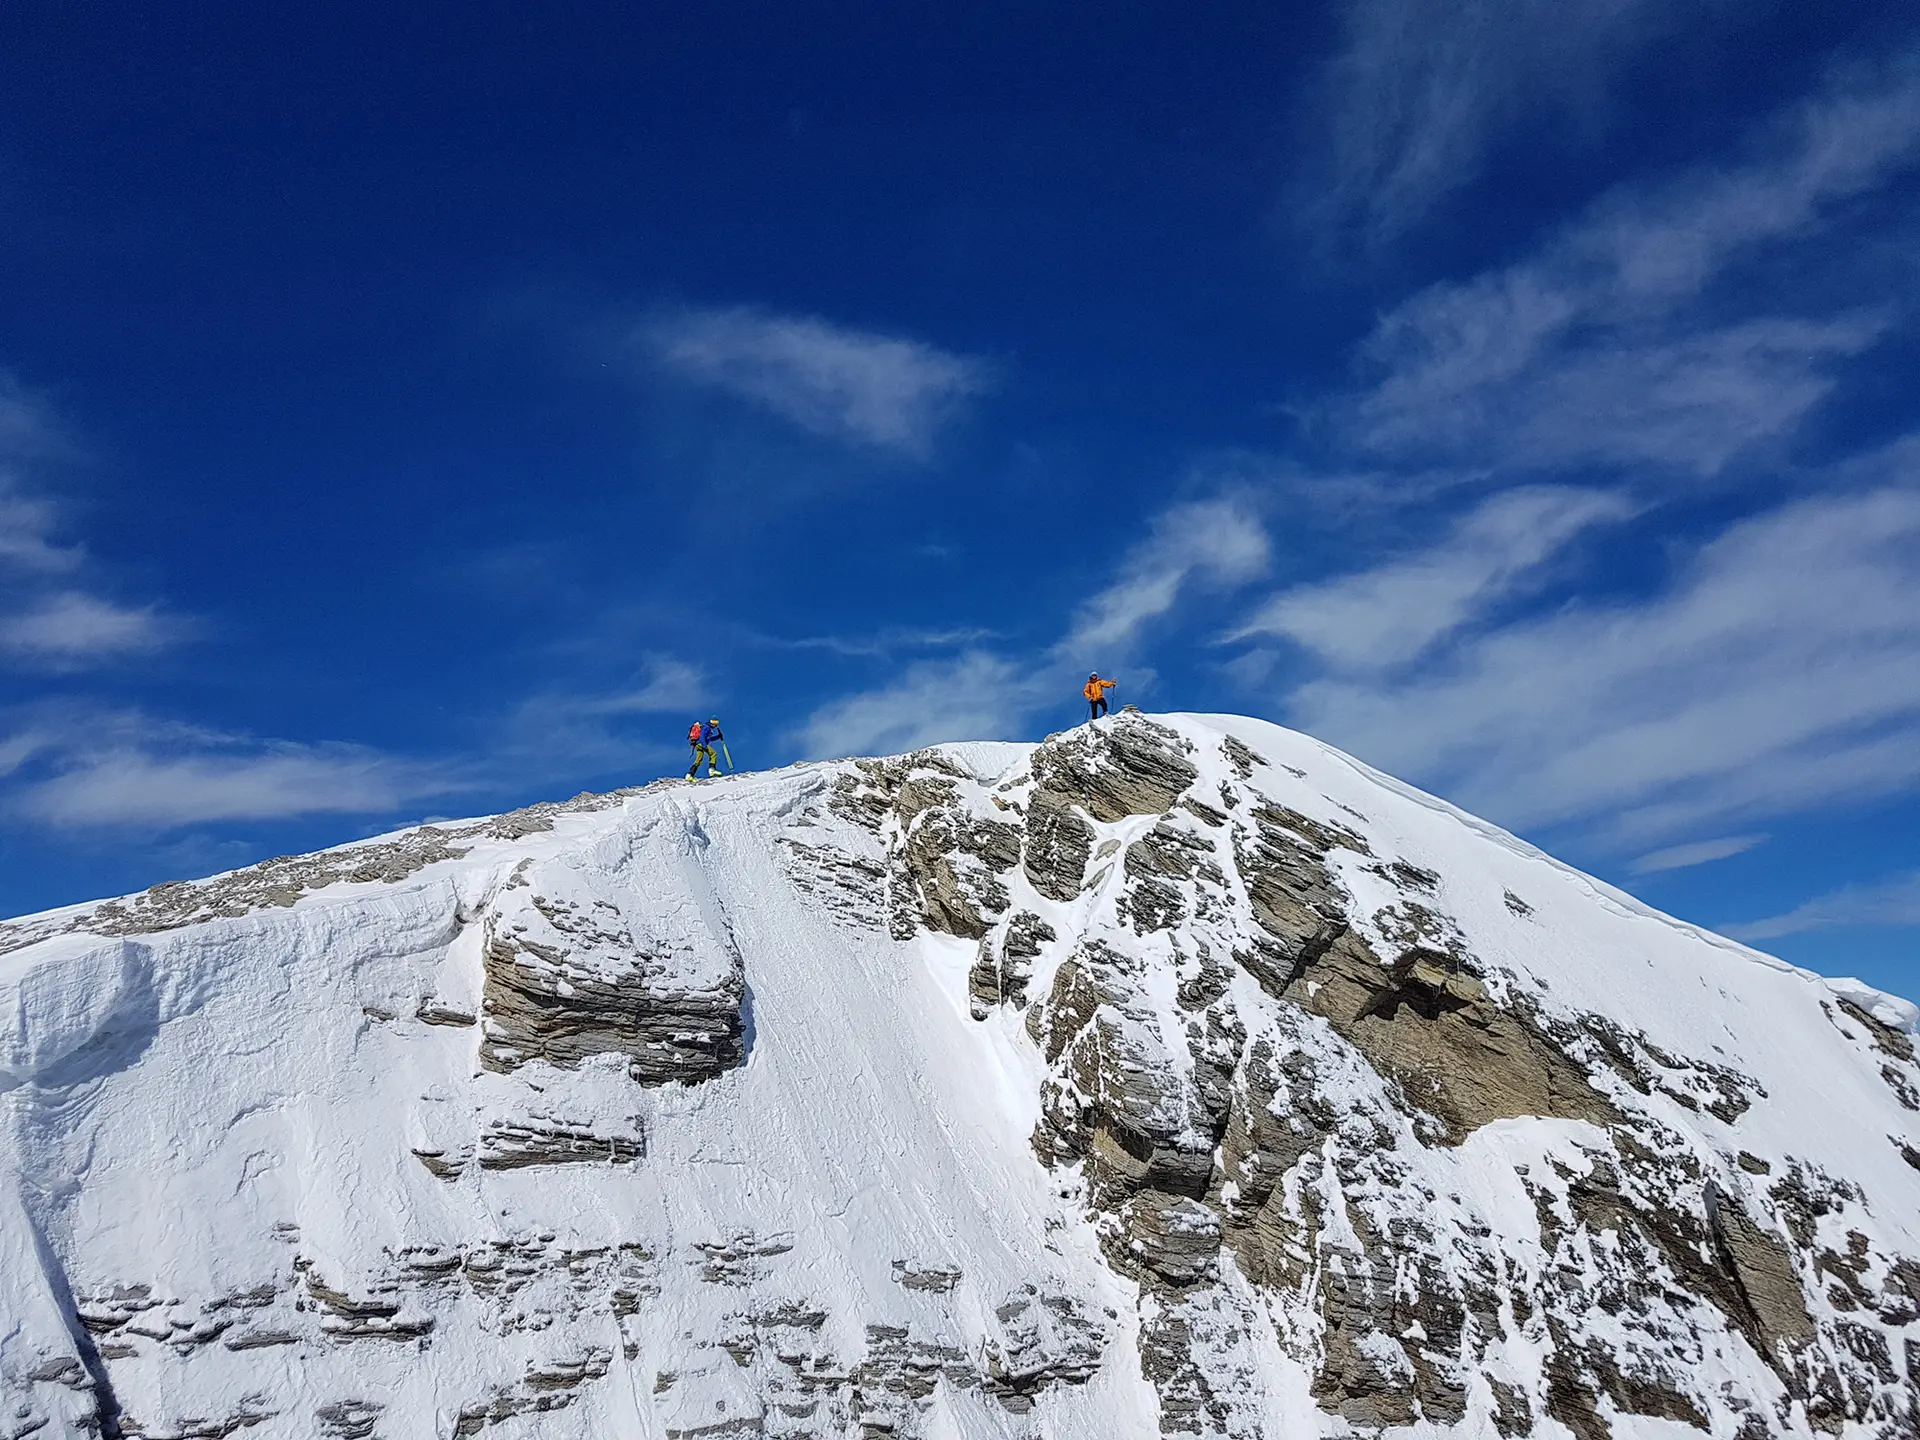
{"x": 29, "y": 434}
{"x": 1780, "y": 670}
{"x": 29, "y": 429}
{"x": 1207, "y": 542}
{"x": 46, "y": 618}
{"x": 1699, "y": 852}
{"x": 981, "y": 695}
{"x": 670, "y": 684}
{"x": 1419, "y": 90}
{"x": 26, "y": 533}
{"x": 975, "y": 696}
{"x": 875, "y": 390}
{"x": 75, "y": 766}
{"x": 1391, "y": 614}
{"x": 1594, "y": 350}
{"x": 892, "y": 640}
{"x": 73, "y": 628}
{"x": 80, "y": 769}
{"x": 1892, "y": 902}
{"x": 156, "y": 792}
{"x": 557, "y": 731}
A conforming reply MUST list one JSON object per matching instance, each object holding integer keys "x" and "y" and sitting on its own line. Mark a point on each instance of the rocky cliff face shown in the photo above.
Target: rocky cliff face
{"x": 1176, "y": 1076}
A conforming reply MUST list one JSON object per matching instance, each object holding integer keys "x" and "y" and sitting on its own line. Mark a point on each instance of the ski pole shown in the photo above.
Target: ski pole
{"x": 726, "y": 752}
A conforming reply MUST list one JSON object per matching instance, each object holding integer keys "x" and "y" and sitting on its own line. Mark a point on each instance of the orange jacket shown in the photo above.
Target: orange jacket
{"x": 1097, "y": 687}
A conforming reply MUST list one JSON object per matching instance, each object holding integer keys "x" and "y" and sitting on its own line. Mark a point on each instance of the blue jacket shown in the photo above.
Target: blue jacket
{"x": 709, "y": 733}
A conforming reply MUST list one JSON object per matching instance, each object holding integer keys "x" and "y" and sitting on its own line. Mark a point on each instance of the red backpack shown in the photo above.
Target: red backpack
{"x": 693, "y": 734}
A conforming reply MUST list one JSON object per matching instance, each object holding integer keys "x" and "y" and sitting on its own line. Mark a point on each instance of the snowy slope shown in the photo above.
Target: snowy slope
{"x": 1180, "y": 1075}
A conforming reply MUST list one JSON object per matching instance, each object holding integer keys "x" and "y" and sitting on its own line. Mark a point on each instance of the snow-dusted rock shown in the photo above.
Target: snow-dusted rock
{"x": 572, "y": 972}
{"x": 1179, "y": 1075}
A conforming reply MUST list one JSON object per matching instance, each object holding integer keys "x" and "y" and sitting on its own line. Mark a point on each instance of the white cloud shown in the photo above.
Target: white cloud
{"x": 56, "y": 624}
{"x": 129, "y": 788}
{"x": 980, "y": 695}
{"x": 891, "y": 640}
{"x": 1892, "y": 902}
{"x": 1391, "y": 614}
{"x": 26, "y": 534}
{"x": 670, "y": 685}
{"x": 1593, "y": 350}
{"x": 73, "y": 767}
{"x": 28, "y": 433}
{"x": 563, "y": 731}
{"x": 975, "y": 696}
{"x": 1421, "y": 87}
{"x": 1689, "y": 403}
{"x": 853, "y": 385}
{"x": 73, "y": 628}
{"x": 1699, "y": 852}
{"x": 28, "y": 427}
{"x": 1216, "y": 542}
{"x": 1780, "y": 671}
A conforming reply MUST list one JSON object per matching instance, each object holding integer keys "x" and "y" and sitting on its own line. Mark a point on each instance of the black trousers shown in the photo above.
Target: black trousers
{"x": 1096, "y": 708}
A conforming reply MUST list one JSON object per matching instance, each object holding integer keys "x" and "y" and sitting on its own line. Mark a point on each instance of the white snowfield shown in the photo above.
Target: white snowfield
{"x": 668, "y": 1114}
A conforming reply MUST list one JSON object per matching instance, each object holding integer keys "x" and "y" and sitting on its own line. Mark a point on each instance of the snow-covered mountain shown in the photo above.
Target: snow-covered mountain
{"x": 1180, "y": 1075}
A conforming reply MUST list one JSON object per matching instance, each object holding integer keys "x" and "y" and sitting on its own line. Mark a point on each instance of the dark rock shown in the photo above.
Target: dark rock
{"x": 1059, "y": 844}
{"x": 1204, "y": 812}
{"x": 1167, "y": 852}
{"x": 1294, "y": 899}
{"x": 1243, "y": 759}
{"x": 1462, "y": 1060}
{"x": 1896, "y": 1043}
{"x": 567, "y": 979}
{"x": 1175, "y": 1238}
{"x": 1002, "y": 975}
{"x": 349, "y": 1419}
{"x": 1045, "y": 1341}
{"x": 937, "y": 1279}
{"x": 1136, "y": 767}
{"x": 850, "y": 888}
{"x": 1116, "y": 1099}
{"x": 1771, "y": 1309}
{"x": 1512, "y": 1415}
{"x": 947, "y": 905}
{"x": 509, "y": 1145}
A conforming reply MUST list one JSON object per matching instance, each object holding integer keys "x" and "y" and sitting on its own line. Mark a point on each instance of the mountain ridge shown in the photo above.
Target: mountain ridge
{"x": 1178, "y": 1074}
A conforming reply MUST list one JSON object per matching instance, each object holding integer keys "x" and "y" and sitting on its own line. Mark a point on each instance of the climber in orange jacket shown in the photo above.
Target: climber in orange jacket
{"x": 1096, "y": 692}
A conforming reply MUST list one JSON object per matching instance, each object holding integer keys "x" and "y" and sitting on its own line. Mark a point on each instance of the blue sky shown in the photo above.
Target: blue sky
{"x": 422, "y": 413}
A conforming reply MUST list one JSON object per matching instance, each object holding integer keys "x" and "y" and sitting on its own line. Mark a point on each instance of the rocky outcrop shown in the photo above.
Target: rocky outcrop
{"x": 1770, "y": 1308}
{"x": 1173, "y": 1237}
{"x": 952, "y": 865}
{"x": 1425, "y": 1021}
{"x": 1058, "y": 845}
{"x": 1429, "y": 1026}
{"x": 1114, "y": 1097}
{"x": 1132, "y": 767}
{"x": 569, "y": 976}
{"x": 943, "y": 858}
{"x": 1288, "y": 1142}
{"x": 1003, "y": 965}
{"x": 514, "y": 1144}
